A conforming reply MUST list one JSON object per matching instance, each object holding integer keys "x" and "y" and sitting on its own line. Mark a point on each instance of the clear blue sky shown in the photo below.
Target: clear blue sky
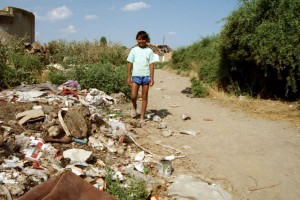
{"x": 180, "y": 22}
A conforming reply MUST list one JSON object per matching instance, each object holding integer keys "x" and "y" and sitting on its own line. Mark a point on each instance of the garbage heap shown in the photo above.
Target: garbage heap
{"x": 54, "y": 129}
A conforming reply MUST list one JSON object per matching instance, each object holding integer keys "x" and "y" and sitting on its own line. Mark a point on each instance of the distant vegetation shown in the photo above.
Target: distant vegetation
{"x": 93, "y": 64}
{"x": 16, "y": 66}
{"x": 257, "y": 54}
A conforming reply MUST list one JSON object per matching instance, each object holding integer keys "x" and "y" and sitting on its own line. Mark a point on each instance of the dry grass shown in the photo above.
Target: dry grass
{"x": 42, "y": 78}
{"x": 267, "y": 109}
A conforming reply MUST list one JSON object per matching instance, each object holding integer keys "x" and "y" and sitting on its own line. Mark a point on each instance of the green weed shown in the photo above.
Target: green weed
{"x": 131, "y": 189}
{"x": 198, "y": 89}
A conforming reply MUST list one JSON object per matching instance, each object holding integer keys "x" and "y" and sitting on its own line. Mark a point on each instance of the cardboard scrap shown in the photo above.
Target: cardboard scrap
{"x": 30, "y": 115}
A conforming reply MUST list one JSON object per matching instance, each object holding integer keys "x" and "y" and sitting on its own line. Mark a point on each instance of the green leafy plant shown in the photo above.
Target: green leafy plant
{"x": 258, "y": 48}
{"x": 198, "y": 89}
{"x": 91, "y": 64}
{"x": 131, "y": 188}
{"x": 16, "y": 65}
{"x": 57, "y": 77}
{"x": 105, "y": 77}
{"x": 201, "y": 57}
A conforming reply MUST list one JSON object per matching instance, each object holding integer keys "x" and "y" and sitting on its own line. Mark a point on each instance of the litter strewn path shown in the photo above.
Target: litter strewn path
{"x": 251, "y": 158}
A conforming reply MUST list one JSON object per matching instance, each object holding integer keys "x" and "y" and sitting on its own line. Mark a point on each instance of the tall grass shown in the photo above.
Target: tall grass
{"x": 86, "y": 52}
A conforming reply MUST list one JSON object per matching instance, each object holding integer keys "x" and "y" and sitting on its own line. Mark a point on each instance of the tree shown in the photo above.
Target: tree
{"x": 260, "y": 49}
{"x": 103, "y": 41}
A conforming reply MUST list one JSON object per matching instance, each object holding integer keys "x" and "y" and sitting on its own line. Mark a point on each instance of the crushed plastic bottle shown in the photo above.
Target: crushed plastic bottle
{"x": 166, "y": 168}
{"x": 156, "y": 118}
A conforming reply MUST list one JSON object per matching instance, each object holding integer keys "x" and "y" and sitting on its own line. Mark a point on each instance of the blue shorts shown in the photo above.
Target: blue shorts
{"x": 141, "y": 80}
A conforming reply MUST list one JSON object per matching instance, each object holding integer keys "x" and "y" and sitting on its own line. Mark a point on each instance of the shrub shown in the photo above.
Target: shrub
{"x": 202, "y": 57}
{"x": 91, "y": 64}
{"x": 198, "y": 89}
{"x": 14, "y": 77}
{"x": 29, "y": 62}
{"x": 105, "y": 77}
{"x": 57, "y": 77}
{"x": 17, "y": 66}
{"x": 258, "y": 48}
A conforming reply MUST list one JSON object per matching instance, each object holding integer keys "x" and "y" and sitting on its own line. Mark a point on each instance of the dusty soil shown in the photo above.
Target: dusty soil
{"x": 250, "y": 156}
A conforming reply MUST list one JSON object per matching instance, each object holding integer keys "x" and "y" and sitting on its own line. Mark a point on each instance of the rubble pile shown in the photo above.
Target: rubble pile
{"x": 57, "y": 128}
{"x": 37, "y": 48}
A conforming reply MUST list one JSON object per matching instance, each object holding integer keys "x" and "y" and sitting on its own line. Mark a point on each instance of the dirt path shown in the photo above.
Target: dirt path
{"x": 252, "y": 158}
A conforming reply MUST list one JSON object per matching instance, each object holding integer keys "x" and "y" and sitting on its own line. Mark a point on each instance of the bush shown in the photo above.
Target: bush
{"x": 12, "y": 77}
{"x": 57, "y": 77}
{"x": 16, "y": 65}
{"x": 29, "y": 62}
{"x": 202, "y": 57}
{"x": 258, "y": 48}
{"x": 91, "y": 64}
{"x": 105, "y": 77}
{"x": 198, "y": 89}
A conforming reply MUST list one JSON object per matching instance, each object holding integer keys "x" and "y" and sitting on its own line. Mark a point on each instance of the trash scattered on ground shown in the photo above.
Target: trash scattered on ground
{"x": 162, "y": 126}
{"x": 185, "y": 116}
{"x": 65, "y": 128}
{"x": 66, "y": 185}
{"x": 167, "y": 133}
{"x": 156, "y": 118}
{"x": 186, "y": 147}
{"x": 187, "y": 91}
{"x": 30, "y": 115}
{"x": 173, "y": 105}
{"x": 189, "y": 132}
{"x": 191, "y": 187}
{"x": 166, "y": 168}
{"x": 243, "y": 98}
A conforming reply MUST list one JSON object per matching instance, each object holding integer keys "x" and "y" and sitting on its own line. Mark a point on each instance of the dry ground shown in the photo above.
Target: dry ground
{"x": 251, "y": 147}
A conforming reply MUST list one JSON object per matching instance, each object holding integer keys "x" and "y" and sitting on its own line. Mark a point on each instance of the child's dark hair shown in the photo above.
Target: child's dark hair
{"x": 143, "y": 35}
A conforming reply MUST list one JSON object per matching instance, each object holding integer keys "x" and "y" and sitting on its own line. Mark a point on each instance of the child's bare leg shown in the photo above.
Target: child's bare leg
{"x": 134, "y": 94}
{"x": 145, "y": 89}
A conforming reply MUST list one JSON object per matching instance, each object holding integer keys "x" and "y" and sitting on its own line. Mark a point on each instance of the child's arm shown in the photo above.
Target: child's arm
{"x": 129, "y": 67}
{"x": 151, "y": 74}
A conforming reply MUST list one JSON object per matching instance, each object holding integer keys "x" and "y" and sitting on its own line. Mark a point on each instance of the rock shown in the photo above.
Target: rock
{"x": 76, "y": 124}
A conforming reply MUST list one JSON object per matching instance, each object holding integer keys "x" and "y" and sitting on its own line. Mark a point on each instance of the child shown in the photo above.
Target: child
{"x": 140, "y": 72}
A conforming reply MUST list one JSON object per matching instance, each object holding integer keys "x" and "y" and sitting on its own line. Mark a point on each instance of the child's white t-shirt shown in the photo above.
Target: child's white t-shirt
{"x": 141, "y": 58}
